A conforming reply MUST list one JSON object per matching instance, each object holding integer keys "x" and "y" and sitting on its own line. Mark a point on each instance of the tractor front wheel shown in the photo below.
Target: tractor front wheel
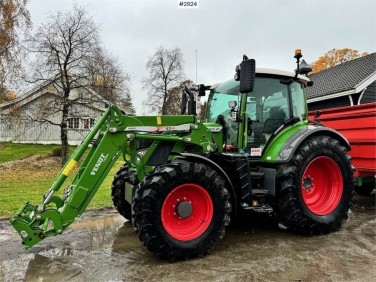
{"x": 122, "y": 178}
{"x": 315, "y": 187}
{"x": 181, "y": 210}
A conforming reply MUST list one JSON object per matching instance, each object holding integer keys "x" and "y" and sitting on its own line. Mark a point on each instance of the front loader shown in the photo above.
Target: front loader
{"x": 184, "y": 179}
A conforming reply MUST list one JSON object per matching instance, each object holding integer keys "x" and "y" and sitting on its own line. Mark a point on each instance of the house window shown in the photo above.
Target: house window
{"x": 85, "y": 123}
{"x": 73, "y": 122}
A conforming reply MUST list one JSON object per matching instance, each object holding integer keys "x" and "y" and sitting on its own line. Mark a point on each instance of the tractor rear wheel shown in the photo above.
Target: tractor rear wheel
{"x": 122, "y": 178}
{"x": 181, "y": 210}
{"x": 316, "y": 187}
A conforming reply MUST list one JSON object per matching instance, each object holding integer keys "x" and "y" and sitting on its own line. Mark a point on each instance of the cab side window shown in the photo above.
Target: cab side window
{"x": 299, "y": 107}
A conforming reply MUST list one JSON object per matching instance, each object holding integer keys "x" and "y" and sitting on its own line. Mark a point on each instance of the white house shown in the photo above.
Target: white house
{"x": 34, "y": 116}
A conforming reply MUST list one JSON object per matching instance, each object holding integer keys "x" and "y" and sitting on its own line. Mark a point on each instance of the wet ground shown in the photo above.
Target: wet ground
{"x": 103, "y": 247}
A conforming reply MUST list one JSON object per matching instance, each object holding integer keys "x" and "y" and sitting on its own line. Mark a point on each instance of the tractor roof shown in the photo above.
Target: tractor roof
{"x": 302, "y": 78}
{"x": 281, "y": 73}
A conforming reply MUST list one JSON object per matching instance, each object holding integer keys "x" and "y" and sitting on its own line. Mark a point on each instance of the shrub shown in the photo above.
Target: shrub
{"x": 58, "y": 152}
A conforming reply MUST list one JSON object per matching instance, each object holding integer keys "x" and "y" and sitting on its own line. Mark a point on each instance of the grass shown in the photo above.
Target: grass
{"x": 29, "y": 179}
{"x": 16, "y": 151}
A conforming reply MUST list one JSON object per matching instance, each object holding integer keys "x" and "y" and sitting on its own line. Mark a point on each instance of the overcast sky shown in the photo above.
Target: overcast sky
{"x": 222, "y": 31}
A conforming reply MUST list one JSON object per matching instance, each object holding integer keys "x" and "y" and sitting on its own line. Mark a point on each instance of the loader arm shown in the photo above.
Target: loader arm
{"x": 111, "y": 136}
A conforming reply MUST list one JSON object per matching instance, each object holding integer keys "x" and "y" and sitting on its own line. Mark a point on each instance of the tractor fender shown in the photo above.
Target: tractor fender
{"x": 216, "y": 167}
{"x": 295, "y": 140}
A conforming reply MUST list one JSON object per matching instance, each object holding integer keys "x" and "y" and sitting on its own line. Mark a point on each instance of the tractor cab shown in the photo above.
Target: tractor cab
{"x": 277, "y": 100}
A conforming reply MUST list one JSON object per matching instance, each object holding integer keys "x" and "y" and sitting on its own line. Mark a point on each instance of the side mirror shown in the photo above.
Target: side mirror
{"x": 201, "y": 90}
{"x": 246, "y": 74}
{"x": 317, "y": 114}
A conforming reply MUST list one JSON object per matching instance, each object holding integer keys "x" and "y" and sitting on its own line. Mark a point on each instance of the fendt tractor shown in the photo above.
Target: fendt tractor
{"x": 184, "y": 180}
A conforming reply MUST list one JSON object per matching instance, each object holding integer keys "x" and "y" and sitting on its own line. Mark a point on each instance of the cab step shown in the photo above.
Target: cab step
{"x": 257, "y": 175}
{"x": 260, "y": 192}
{"x": 265, "y": 208}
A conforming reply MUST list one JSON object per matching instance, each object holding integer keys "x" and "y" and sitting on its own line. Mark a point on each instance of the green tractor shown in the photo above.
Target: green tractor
{"x": 184, "y": 180}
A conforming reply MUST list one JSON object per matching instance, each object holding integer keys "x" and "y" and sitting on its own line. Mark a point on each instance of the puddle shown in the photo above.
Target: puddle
{"x": 102, "y": 246}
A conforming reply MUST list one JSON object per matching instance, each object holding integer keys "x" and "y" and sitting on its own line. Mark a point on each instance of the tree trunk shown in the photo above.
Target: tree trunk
{"x": 64, "y": 135}
{"x": 164, "y": 106}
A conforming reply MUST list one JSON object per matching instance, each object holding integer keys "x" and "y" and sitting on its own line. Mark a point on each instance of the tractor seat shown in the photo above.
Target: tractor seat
{"x": 276, "y": 118}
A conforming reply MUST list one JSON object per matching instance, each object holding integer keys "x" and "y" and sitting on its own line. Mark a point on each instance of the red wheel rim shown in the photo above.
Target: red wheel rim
{"x": 322, "y": 185}
{"x": 187, "y": 212}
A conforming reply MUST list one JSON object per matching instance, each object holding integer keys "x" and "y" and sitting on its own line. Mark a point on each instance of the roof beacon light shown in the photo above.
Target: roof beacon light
{"x": 298, "y": 53}
{"x": 301, "y": 67}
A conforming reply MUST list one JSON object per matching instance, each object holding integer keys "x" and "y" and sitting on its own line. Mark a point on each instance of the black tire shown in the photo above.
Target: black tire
{"x": 293, "y": 209}
{"x": 123, "y": 176}
{"x": 158, "y": 189}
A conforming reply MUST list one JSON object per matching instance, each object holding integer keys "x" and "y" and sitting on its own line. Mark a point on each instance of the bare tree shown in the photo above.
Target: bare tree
{"x": 173, "y": 100}
{"x": 14, "y": 18}
{"x": 165, "y": 72}
{"x": 125, "y": 102}
{"x": 110, "y": 81}
{"x": 202, "y": 110}
{"x": 63, "y": 46}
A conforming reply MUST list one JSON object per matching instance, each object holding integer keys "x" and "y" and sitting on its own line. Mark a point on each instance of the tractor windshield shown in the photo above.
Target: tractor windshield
{"x": 268, "y": 107}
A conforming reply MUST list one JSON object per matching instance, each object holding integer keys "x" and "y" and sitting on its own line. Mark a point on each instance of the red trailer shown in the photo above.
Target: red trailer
{"x": 358, "y": 125}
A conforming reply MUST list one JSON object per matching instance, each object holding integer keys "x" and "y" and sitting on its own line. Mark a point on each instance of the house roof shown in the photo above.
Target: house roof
{"x": 344, "y": 78}
{"x": 42, "y": 89}
{"x": 29, "y": 93}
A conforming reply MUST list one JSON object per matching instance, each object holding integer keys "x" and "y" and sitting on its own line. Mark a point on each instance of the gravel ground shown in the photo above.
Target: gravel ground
{"x": 102, "y": 246}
